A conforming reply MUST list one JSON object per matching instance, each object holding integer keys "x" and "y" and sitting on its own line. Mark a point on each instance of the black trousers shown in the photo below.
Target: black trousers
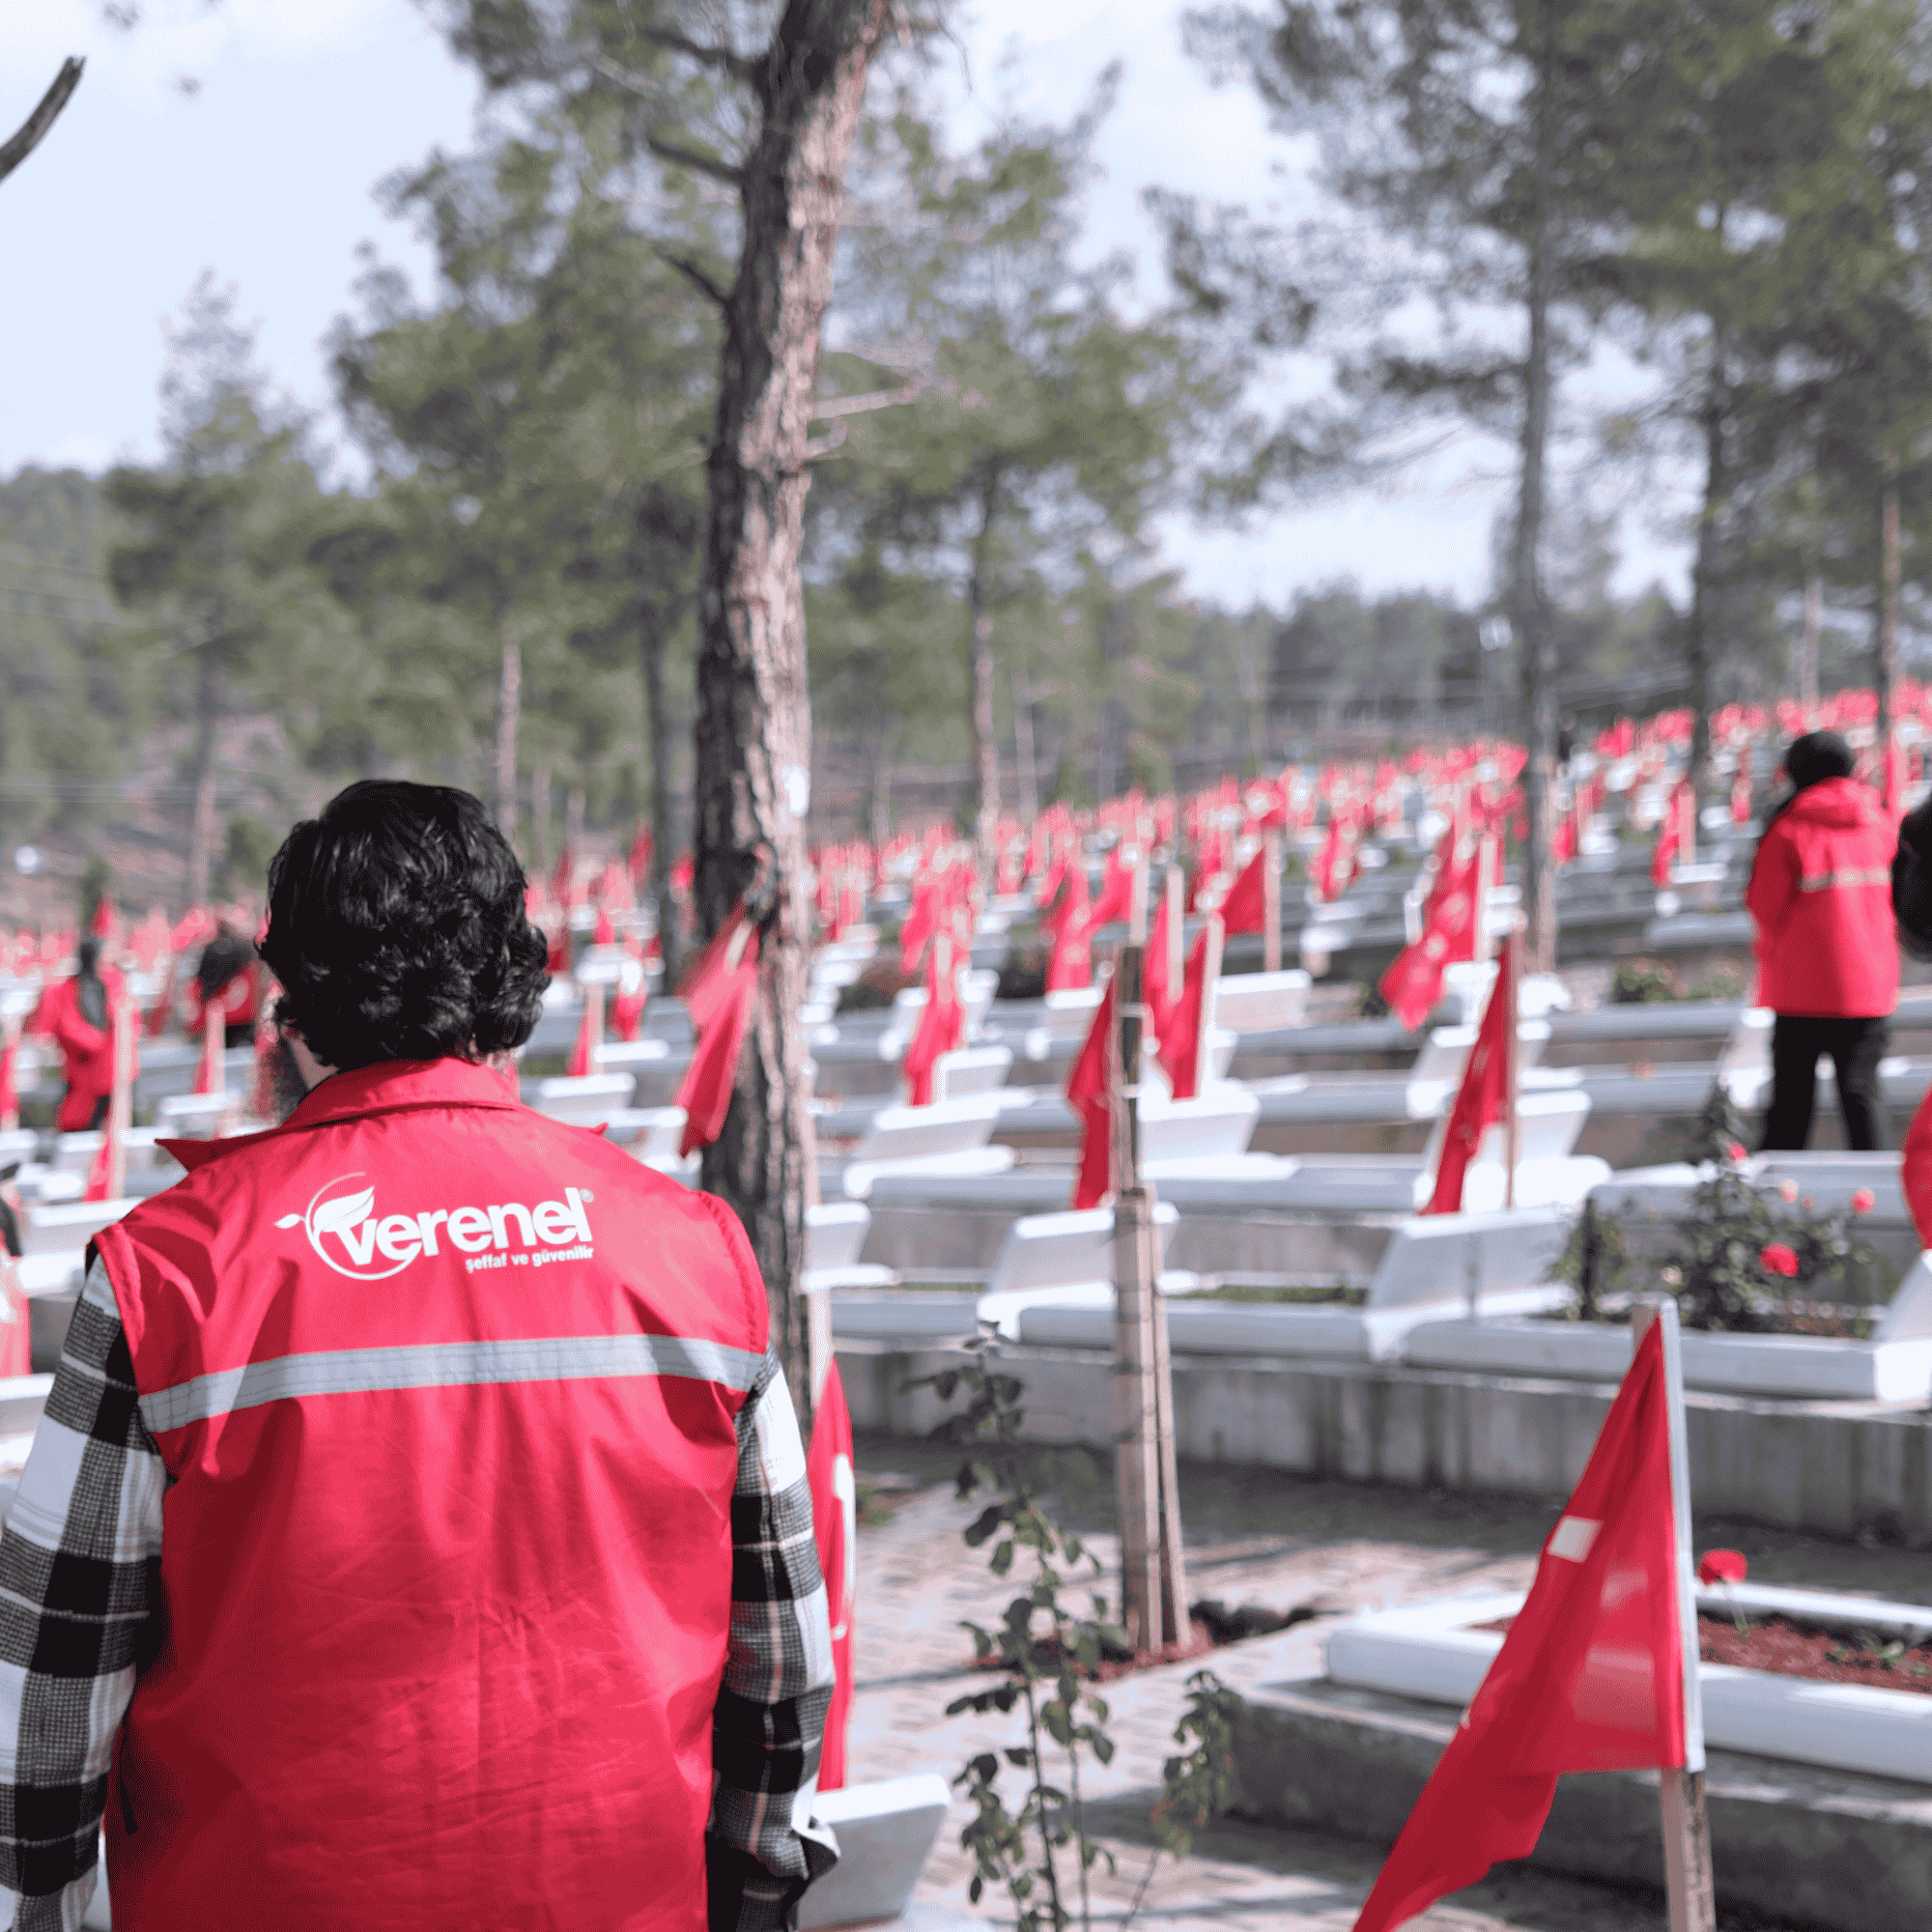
{"x": 1856, "y": 1047}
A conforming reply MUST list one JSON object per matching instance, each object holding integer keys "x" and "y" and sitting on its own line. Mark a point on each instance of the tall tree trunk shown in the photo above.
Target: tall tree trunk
{"x": 751, "y": 788}
{"x": 1530, "y": 610}
{"x": 207, "y": 723}
{"x": 1808, "y": 648}
{"x": 1885, "y": 664}
{"x": 1023, "y": 750}
{"x": 540, "y": 822}
{"x": 573, "y": 823}
{"x": 1704, "y": 565}
{"x": 509, "y": 703}
{"x": 985, "y": 747}
{"x": 651, "y": 630}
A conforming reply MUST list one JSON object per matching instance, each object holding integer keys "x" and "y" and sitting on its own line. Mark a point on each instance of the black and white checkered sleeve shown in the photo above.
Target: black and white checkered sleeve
{"x": 80, "y": 1561}
{"x": 764, "y": 1848}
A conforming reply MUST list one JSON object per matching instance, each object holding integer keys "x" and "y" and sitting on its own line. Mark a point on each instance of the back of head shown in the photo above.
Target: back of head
{"x": 397, "y": 927}
{"x": 87, "y": 958}
{"x": 1816, "y": 756}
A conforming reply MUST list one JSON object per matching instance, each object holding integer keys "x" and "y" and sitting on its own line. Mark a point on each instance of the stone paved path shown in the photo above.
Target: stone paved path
{"x": 1253, "y": 1536}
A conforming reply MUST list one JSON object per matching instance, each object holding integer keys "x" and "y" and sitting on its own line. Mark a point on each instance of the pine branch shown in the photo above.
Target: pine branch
{"x": 722, "y": 58}
{"x": 43, "y": 117}
{"x": 695, "y": 276}
{"x": 689, "y": 157}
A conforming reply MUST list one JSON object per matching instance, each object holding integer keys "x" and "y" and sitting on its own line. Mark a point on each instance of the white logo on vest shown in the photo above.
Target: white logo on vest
{"x": 346, "y": 1232}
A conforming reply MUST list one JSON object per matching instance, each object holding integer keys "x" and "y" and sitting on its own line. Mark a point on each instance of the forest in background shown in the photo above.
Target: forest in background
{"x": 195, "y": 651}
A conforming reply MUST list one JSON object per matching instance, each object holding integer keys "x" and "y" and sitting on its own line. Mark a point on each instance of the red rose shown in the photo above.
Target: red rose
{"x": 1777, "y": 1259}
{"x": 1736, "y": 1151}
{"x": 1721, "y": 1566}
{"x": 1863, "y": 1200}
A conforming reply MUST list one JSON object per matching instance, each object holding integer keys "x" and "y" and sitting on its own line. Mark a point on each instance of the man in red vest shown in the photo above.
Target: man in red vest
{"x": 418, "y": 1534}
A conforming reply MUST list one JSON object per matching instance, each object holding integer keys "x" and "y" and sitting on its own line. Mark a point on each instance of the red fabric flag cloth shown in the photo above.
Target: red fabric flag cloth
{"x": 1590, "y": 1678}
{"x": 1335, "y": 863}
{"x": 1741, "y": 789}
{"x": 210, "y": 1074}
{"x": 1486, "y": 1095}
{"x": 563, "y": 881}
{"x": 9, "y": 1079}
{"x": 939, "y": 1027}
{"x": 638, "y": 861}
{"x": 606, "y": 933}
{"x": 1246, "y": 908}
{"x": 922, "y": 921}
{"x": 627, "y": 1007}
{"x": 583, "y": 1053}
{"x": 1179, "y": 1053}
{"x": 705, "y": 978}
{"x": 705, "y": 1092}
{"x": 1413, "y": 981}
{"x": 1072, "y": 928}
{"x": 99, "y": 1176}
{"x": 1090, "y": 1091}
{"x": 835, "y": 1526}
{"x": 1670, "y": 834}
{"x": 1159, "y": 995}
{"x": 1117, "y": 890}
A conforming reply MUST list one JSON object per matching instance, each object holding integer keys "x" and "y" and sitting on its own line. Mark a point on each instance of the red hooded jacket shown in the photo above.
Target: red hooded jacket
{"x": 1821, "y": 895}
{"x": 446, "y": 1394}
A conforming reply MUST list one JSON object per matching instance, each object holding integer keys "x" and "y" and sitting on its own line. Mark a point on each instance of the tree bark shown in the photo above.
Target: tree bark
{"x": 207, "y": 723}
{"x": 985, "y": 747}
{"x": 1885, "y": 657}
{"x": 1529, "y": 609}
{"x": 651, "y": 628}
{"x": 1023, "y": 746}
{"x": 540, "y": 822}
{"x": 753, "y": 724}
{"x": 28, "y": 135}
{"x": 509, "y": 691}
{"x": 1704, "y": 567}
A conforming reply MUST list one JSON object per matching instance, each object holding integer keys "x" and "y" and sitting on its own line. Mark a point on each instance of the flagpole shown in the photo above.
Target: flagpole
{"x": 1210, "y": 972}
{"x": 1272, "y": 901}
{"x": 1513, "y": 1048}
{"x": 1686, "y": 1831}
{"x": 120, "y": 1103}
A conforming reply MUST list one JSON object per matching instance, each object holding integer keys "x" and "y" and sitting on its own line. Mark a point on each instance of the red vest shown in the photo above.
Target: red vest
{"x": 446, "y": 1392}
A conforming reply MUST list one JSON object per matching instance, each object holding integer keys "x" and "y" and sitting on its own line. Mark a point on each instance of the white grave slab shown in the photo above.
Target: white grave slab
{"x": 586, "y": 1100}
{"x": 886, "y": 1832}
{"x": 1261, "y": 1001}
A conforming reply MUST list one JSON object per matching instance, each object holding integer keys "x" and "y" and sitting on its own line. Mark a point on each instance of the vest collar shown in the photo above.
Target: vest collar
{"x": 385, "y": 1088}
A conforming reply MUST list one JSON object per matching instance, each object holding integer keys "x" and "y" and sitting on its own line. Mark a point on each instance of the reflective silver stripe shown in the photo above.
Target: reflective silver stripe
{"x": 446, "y": 1365}
{"x": 1861, "y": 876}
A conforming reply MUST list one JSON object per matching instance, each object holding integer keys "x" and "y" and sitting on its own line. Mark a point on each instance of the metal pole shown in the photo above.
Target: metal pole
{"x": 1686, "y": 1831}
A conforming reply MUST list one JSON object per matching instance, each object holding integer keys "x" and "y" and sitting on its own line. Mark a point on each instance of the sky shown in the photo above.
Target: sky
{"x": 265, "y": 172}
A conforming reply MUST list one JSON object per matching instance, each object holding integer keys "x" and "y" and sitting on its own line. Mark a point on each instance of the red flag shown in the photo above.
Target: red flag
{"x": 705, "y": 1093}
{"x": 1413, "y": 981}
{"x": 1154, "y": 989}
{"x": 922, "y": 921}
{"x": 1117, "y": 890}
{"x": 1488, "y": 1090}
{"x": 1670, "y": 840}
{"x": 10, "y": 1089}
{"x": 1590, "y": 1678}
{"x": 1246, "y": 908}
{"x": 939, "y": 1025}
{"x": 99, "y": 1177}
{"x": 1089, "y": 1089}
{"x": 835, "y": 1527}
{"x": 563, "y": 881}
{"x": 706, "y": 977}
{"x": 1335, "y": 863}
{"x": 1741, "y": 789}
{"x": 1072, "y": 928}
{"x": 606, "y": 933}
{"x": 589, "y": 1031}
{"x": 638, "y": 863}
{"x": 1180, "y": 1039}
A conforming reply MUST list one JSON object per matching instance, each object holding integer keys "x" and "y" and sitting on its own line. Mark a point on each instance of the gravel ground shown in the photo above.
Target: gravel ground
{"x": 1252, "y": 1536}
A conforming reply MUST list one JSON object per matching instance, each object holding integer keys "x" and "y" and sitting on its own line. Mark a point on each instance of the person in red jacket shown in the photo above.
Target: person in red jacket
{"x": 1912, "y": 906}
{"x": 75, "y": 1012}
{"x": 1820, "y": 894}
{"x": 419, "y": 1533}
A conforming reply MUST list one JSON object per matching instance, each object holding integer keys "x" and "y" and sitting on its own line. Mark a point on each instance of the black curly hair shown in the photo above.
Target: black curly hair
{"x": 397, "y": 927}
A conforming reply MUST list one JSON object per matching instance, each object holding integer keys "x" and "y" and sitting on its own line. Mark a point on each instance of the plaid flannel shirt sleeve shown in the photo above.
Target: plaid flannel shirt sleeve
{"x": 764, "y": 1848}
{"x": 80, "y": 1561}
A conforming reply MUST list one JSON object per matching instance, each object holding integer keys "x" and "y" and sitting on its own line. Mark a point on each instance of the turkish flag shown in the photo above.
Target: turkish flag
{"x": 1117, "y": 890}
{"x": 638, "y": 861}
{"x": 1180, "y": 1038}
{"x": 939, "y": 1025}
{"x": 1157, "y": 994}
{"x": 1670, "y": 838}
{"x": 1590, "y": 1678}
{"x": 1413, "y": 981}
{"x": 705, "y": 1093}
{"x": 1089, "y": 1089}
{"x": 1246, "y": 908}
{"x": 707, "y": 976}
{"x": 1071, "y": 924}
{"x": 1488, "y": 1090}
{"x": 835, "y": 1527}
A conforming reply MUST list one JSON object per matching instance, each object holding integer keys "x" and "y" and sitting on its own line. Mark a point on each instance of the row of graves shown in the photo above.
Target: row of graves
{"x": 1113, "y": 1110}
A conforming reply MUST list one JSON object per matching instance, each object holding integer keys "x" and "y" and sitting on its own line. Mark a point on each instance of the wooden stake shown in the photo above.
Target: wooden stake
{"x": 1272, "y": 900}
{"x": 593, "y": 1020}
{"x": 1173, "y": 1563}
{"x": 1686, "y": 1831}
{"x": 1176, "y": 920}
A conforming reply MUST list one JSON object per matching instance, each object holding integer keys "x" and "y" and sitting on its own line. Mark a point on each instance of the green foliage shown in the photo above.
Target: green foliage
{"x": 96, "y": 881}
{"x": 1641, "y": 982}
{"x": 1198, "y": 1781}
{"x": 243, "y": 869}
{"x": 1046, "y": 1651}
{"x": 1720, "y": 1273}
{"x": 1594, "y": 1262}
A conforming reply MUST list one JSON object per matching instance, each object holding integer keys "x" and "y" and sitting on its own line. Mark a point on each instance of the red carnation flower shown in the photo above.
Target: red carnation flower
{"x": 1735, "y": 1151}
{"x": 1863, "y": 1200}
{"x": 1721, "y": 1566}
{"x": 1777, "y": 1259}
